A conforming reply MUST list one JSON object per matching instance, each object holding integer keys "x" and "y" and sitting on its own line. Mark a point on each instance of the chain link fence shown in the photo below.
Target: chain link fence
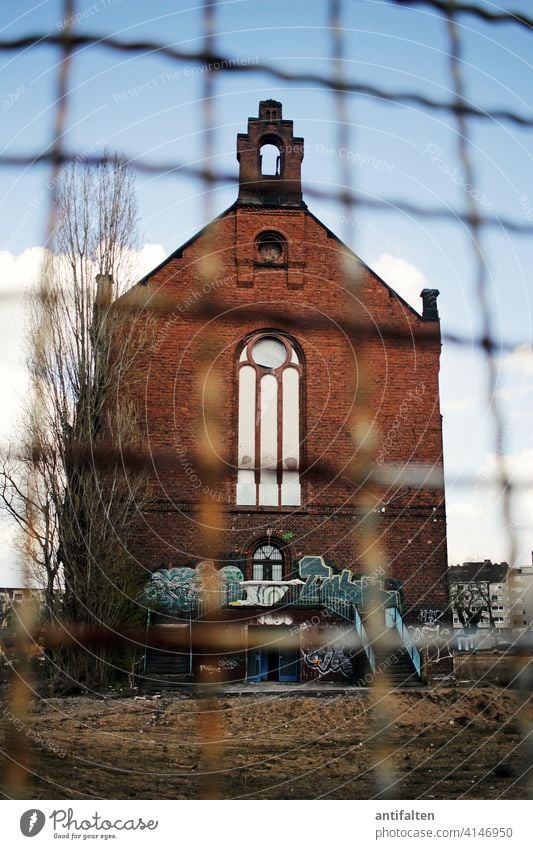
{"x": 478, "y": 222}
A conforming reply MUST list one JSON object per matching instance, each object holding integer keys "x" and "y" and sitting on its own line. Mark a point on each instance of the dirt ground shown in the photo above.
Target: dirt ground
{"x": 440, "y": 743}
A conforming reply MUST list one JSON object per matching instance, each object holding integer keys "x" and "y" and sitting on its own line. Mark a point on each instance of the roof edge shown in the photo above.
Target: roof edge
{"x": 389, "y": 288}
{"x": 176, "y": 254}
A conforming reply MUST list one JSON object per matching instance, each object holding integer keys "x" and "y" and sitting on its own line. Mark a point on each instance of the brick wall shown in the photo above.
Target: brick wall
{"x": 309, "y": 297}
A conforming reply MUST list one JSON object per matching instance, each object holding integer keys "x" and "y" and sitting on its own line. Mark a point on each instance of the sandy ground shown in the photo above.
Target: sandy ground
{"x": 439, "y": 743}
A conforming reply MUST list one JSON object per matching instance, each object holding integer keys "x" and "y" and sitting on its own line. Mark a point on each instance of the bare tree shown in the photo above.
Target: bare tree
{"x": 69, "y": 486}
{"x": 470, "y": 602}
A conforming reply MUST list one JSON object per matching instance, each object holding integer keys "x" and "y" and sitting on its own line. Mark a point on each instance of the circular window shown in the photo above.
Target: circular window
{"x": 270, "y": 248}
{"x": 269, "y": 352}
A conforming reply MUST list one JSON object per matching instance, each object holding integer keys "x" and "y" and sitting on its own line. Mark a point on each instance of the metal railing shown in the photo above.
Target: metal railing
{"x": 367, "y": 646}
{"x": 393, "y": 619}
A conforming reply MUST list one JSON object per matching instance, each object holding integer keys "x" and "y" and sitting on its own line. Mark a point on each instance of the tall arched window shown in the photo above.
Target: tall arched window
{"x": 268, "y": 459}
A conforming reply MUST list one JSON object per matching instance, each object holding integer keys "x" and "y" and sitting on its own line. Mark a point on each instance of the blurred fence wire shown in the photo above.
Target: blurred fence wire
{"x": 68, "y": 43}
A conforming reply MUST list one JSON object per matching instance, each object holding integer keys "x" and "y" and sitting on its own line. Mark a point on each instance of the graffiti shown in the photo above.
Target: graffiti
{"x": 228, "y": 663}
{"x": 320, "y": 585}
{"x": 432, "y": 635}
{"x": 264, "y": 593}
{"x": 310, "y": 593}
{"x": 436, "y": 639}
{"x": 225, "y": 663}
{"x": 429, "y": 616}
{"x": 182, "y": 589}
{"x": 274, "y": 619}
{"x": 328, "y": 659}
{"x": 177, "y": 589}
{"x": 342, "y": 587}
{"x": 170, "y": 590}
{"x": 231, "y": 575}
{"x": 232, "y": 579}
{"x": 425, "y": 633}
{"x": 208, "y": 669}
{"x": 312, "y": 569}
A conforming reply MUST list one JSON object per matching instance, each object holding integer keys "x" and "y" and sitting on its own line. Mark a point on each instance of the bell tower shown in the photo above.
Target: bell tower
{"x": 270, "y": 160}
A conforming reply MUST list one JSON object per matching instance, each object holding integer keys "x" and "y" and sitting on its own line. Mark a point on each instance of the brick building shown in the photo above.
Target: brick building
{"x": 266, "y": 290}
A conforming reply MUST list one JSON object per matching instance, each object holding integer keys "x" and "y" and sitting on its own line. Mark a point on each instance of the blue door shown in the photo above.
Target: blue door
{"x": 257, "y": 666}
{"x": 288, "y": 666}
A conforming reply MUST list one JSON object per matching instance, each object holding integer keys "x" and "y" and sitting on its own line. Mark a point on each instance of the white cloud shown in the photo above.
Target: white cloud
{"x": 460, "y": 405}
{"x": 519, "y": 468}
{"x": 464, "y": 510}
{"x": 477, "y": 528}
{"x": 20, "y": 269}
{"x": 149, "y": 257}
{"x": 521, "y": 414}
{"x": 17, "y": 276}
{"x": 515, "y": 371}
{"x": 405, "y": 278}
{"x": 520, "y": 359}
{"x": 10, "y": 571}
{"x": 511, "y": 393}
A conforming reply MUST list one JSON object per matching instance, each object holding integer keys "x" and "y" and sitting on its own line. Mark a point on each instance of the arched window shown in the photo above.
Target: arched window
{"x": 268, "y": 459}
{"x": 269, "y": 160}
{"x": 267, "y": 562}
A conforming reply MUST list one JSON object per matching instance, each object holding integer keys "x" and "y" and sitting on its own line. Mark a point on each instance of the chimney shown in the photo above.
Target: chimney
{"x": 430, "y": 310}
{"x": 101, "y": 306}
{"x": 104, "y": 290}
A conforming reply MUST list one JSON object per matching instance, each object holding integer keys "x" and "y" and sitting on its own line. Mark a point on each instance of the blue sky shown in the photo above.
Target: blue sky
{"x": 150, "y": 107}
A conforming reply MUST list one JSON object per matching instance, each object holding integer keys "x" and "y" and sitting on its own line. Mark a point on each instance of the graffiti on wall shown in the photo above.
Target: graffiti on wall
{"x": 263, "y": 593}
{"x": 178, "y": 590}
{"x": 321, "y": 585}
{"x": 428, "y": 616}
{"x": 328, "y": 659}
{"x": 435, "y": 639}
{"x": 224, "y": 664}
{"x": 312, "y": 570}
{"x": 343, "y": 587}
{"x": 274, "y": 619}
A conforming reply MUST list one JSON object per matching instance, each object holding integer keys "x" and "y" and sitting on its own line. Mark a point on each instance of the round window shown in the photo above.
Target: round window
{"x": 269, "y": 352}
{"x": 270, "y": 249}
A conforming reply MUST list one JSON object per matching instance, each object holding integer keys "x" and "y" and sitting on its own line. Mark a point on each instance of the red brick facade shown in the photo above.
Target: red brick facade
{"x": 303, "y": 295}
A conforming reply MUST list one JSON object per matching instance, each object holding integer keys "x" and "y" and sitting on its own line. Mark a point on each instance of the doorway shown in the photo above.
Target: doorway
{"x": 267, "y": 661}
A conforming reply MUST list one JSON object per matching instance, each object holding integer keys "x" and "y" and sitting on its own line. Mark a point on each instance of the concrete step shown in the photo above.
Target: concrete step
{"x": 153, "y": 683}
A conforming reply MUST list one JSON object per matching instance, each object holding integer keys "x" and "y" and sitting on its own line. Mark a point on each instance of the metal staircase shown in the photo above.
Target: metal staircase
{"x": 397, "y": 656}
